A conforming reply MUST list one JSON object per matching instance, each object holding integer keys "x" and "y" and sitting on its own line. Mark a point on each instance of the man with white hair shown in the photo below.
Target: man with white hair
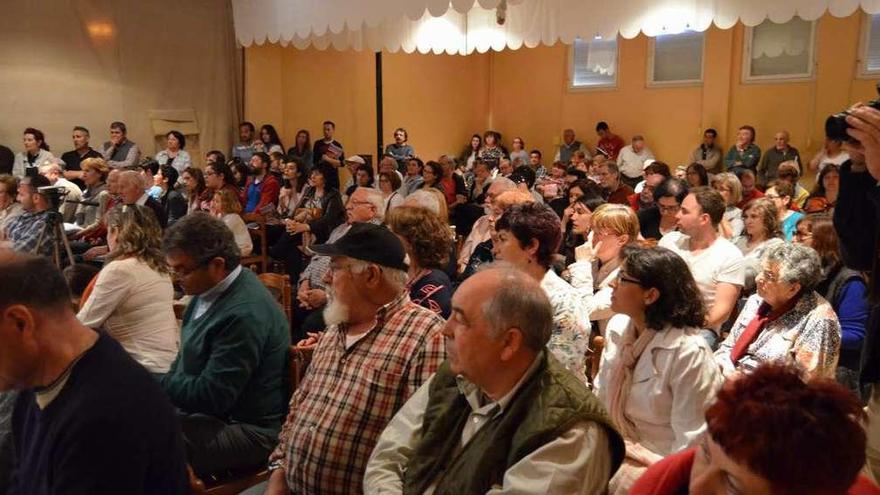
{"x": 55, "y": 174}
{"x": 378, "y": 348}
{"x": 631, "y": 161}
{"x": 780, "y": 153}
{"x": 424, "y": 199}
{"x": 132, "y": 190}
{"x": 482, "y": 229}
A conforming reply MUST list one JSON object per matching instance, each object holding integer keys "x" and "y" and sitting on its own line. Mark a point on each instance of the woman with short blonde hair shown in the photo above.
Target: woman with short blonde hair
{"x": 132, "y": 295}
{"x": 226, "y": 207}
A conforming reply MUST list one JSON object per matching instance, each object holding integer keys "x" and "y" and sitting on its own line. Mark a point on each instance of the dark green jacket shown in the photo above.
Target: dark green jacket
{"x": 548, "y": 404}
{"x": 233, "y": 360}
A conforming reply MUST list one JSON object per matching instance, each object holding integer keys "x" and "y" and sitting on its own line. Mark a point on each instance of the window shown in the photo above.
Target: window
{"x": 869, "y": 63}
{"x": 593, "y": 63}
{"x": 676, "y": 59}
{"x": 779, "y": 51}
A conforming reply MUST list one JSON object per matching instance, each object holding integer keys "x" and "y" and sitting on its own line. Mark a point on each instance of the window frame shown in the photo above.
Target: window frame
{"x": 864, "y": 43}
{"x": 597, "y": 87}
{"x": 747, "y": 78}
{"x": 651, "y": 83}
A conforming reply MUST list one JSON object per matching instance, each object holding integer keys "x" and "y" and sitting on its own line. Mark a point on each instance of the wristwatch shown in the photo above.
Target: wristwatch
{"x": 276, "y": 464}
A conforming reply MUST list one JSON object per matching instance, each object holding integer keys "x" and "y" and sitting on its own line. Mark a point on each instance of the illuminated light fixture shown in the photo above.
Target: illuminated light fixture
{"x": 100, "y": 30}
{"x": 597, "y": 37}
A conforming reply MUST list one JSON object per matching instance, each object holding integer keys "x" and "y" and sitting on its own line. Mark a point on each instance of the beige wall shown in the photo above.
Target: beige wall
{"x": 442, "y": 99}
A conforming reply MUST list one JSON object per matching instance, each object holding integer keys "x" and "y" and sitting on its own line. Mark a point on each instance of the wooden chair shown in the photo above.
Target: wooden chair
{"x": 258, "y": 234}
{"x": 300, "y": 357}
{"x": 597, "y": 345}
{"x": 279, "y": 286}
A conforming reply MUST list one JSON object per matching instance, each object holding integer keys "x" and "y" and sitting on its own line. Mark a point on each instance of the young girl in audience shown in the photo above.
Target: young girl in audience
{"x": 269, "y": 141}
{"x": 132, "y": 296}
{"x": 781, "y": 193}
{"x": 226, "y": 207}
{"x": 657, "y": 375}
{"x": 471, "y": 152}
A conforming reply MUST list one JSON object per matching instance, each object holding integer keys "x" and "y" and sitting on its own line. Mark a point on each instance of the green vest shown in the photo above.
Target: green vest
{"x": 547, "y": 405}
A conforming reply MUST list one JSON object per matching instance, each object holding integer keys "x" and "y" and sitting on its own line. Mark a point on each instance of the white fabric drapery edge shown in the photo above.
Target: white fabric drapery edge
{"x": 464, "y": 26}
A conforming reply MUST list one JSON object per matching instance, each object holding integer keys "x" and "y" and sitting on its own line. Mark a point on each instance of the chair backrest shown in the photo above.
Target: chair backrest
{"x": 300, "y": 357}
{"x": 279, "y": 286}
{"x": 258, "y": 234}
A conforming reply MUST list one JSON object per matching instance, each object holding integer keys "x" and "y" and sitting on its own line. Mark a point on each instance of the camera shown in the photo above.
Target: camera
{"x": 54, "y": 195}
{"x": 836, "y": 125}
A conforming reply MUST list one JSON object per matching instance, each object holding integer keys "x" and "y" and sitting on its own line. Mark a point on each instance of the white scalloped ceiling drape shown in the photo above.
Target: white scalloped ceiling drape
{"x": 464, "y": 26}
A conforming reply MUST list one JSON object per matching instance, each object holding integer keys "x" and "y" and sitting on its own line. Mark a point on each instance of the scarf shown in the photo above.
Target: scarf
{"x": 630, "y": 351}
{"x": 601, "y": 271}
{"x": 765, "y": 315}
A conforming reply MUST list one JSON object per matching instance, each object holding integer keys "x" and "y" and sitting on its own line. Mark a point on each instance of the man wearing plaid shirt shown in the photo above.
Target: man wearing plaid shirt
{"x": 23, "y": 232}
{"x": 377, "y": 350}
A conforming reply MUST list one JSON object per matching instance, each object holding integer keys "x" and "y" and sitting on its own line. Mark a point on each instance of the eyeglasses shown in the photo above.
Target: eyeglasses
{"x": 668, "y": 209}
{"x": 621, "y": 277}
{"x": 180, "y": 273}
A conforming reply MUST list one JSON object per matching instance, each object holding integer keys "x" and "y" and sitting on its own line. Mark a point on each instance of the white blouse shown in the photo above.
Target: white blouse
{"x": 674, "y": 381}
{"x": 133, "y": 304}
{"x": 240, "y": 231}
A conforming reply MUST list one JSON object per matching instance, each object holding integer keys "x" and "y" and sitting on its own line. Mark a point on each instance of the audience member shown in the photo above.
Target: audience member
{"x": 427, "y": 243}
{"x": 174, "y": 153}
{"x": 744, "y": 153}
{"x": 616, "y": 191}
{"x": 25, "y": 231}
{"x": 214, "y": 156}
{"x": 269, "y": 141}
{"x": 479, "y": 186}
{"x": 779, "y": 153}
{"x": 198, "y": 195}
{"x": 276, "y": 164}
{"x": 484, "y": 252}
{"x": 730, "y": 189}
{"x": 352, "y": 163}
{"x": 363, "y": 177}
{"x": 749, "y": 191}
{"x": 780, "y": 192}
{"x": 790, "y": 172}
{"x": 73, "y": 193}
{"x": 301, "y": 149}
{"x": 831, "y": 153}
{"x": 643, "y": 197}
{"x": 505, "y": 168}
{"x": 245, "y": 149}
{"x": 132, "y": 296}
{"x": 132, "y": 190}
{"x": 715, "y": 263}
{"x": 761, "y": 231}
{"x": 708, "y": 153}
{"x": 389, "y": 186}
{"x": 36, "y": 152}
{"x": 96, "y": 197}
{"x": 518, "y": 155}
{"x": 87, "y": 418}
{"x": 79, "y": 277}
{"x": 609, "y": 143}
{"x": 73, "y": 158}
{"x": 631, "y": 160}
{"x": 581, "y": 194}
{"x": 378, "y": 349}
{"x": 329, "y": 155}
{"x": 400, "y": 149}
{"x": 173, "y": 203}
{"x": 219, "y": 176}
{"x": 7, "y": 160}
{"x": 552, "y": 185}
{"x": 470, "y": 152}
{"x": 568, "y": 146}
{"x": 480, "y": 425}
{"x": 524, "y": 178}
{"x": 9, "y": 206}
{"x": 293, "y": 190}
{"x": 534, "y": 161}
{"x": 484, "y": 226}
{"x": 657, "y": 375}
{"x": 492, "y": 151}
{"x": 413, "y": 179}
{"x": 119, "y": 151}
{"x": 825, "y": 192}
{"x": 786, "y": 320}
{"x": 752, "y": 447}
{"x": 432, "y": 174}
{"x": 659, "y": 220}
{"x": 528, "y": 235}
{"x": 845, "y": 289}
{"x": 230, "y": 381}
{"x": 696, "y": 175}
{"x": 225, "y": 206}
{"x": 262, "y": 188}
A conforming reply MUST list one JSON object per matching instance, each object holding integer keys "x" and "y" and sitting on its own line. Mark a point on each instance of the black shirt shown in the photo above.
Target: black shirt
{"x": 72, "y": 160}
{"x": 649, "y": 223}
{"x": 110, "y": 430}
{"x": 7, "y": 160}
{"x": 331, "y": 173}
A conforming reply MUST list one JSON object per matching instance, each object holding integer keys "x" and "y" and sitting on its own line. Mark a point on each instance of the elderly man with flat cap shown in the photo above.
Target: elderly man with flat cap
{"x": 502, "y": 416}
{"x": 377, "y": 350}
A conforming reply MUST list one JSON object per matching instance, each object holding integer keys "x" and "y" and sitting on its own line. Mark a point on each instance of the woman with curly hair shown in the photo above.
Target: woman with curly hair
{"x": 427, "y": 241}
{"x": 762, "y": 231}
{"x": 657, "y": 374}
{"x": 132, "y": 295}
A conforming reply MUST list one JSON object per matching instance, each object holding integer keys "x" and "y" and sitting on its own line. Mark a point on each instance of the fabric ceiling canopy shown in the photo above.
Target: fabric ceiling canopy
{"x": 463, "y": 26}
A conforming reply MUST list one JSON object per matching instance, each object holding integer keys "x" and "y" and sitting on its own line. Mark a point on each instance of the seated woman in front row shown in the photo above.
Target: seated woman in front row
{"x": 657, "y": 375}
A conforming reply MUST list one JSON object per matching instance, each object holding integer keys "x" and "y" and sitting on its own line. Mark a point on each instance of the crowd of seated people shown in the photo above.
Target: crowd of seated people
{"x": 445, "y": 304}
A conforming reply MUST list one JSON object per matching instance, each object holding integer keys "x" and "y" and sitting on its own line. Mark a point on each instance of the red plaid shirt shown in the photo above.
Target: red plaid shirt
{"x": 348, "y": 396}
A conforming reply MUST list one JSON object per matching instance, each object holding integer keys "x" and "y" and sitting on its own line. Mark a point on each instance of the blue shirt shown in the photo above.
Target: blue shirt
{"x": 253, "y": 196}
{"x": 24, "y": 232}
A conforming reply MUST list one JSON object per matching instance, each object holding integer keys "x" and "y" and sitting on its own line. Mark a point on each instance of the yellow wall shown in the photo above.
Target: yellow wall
{"x": 442, "y": 99}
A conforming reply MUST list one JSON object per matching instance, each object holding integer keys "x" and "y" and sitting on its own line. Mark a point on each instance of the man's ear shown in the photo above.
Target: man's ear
{"x": 512, "y": 341}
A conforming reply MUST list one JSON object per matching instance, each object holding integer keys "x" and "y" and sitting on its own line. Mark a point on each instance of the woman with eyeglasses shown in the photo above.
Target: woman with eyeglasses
{"x": 761, "y": 232}
{"x": 782, "y": 193}
{"x": 657, "y": 374}
{"x": 728, "y": 185}
{"x": 132, "y": 296}
{"x": 661, "y": 219}
{"x": 786, "y": 320}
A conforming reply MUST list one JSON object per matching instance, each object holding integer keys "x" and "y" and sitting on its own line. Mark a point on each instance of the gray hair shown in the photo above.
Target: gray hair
{"x": 797, "y": 264}
{"x": 132, "y": 177}
{"x": 502, "y": 184}
{"x": 203, "y": 238}
{"x": 50, "y": 167}
{"x": 425, "y": 199}
{"x": 392, "y": 276}
{"x": 521, "y": 303}
{"x": 374, "y": 196}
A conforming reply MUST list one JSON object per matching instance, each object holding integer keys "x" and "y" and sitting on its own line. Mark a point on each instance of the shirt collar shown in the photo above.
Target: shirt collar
{"x": 213, "y": 293}
{"x": 142, "y": 200}
{"x": 481, "y": 403}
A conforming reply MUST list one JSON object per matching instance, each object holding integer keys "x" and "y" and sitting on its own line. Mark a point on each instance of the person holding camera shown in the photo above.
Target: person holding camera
{"x": 856, "y": 218}
{"x": 22, "y": 233}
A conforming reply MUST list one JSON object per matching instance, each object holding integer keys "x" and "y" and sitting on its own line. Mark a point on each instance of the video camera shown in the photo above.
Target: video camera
{"x": 836, "y": 125}
{"x": 54, "y": 195}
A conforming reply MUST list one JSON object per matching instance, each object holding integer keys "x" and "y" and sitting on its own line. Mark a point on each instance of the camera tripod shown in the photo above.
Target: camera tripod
{"x": 53, "y": 232}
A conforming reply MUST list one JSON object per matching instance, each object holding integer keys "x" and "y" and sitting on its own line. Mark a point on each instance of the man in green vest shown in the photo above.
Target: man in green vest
{"x": 501, "y": 413}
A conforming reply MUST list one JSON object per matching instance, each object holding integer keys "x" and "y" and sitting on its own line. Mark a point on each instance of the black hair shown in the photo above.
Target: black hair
{"x": 593, "y": 197}
{"x": 523, "y": 173}
{"x": 149, "y": 164}
{"x": 79, "y": 276}
{"x": 273, "y": 135}
{"x": 580, "y": 174}
{"x": 536, "y": 152}
{"x": 330, "y": 123}
{"x": 39, "y": 136}
{"x": 527, "y": 221}
{"x": 170, "y": 174}
{"x": 82, "y": 129}
{"x": 33, "y": 281}
{"x": 203, "y": 238}
{"x": 602, "y": 126}
{"x": 249, "y": 125}
{"x": 224, "y": 171}
{"x": 219, "y": 156}
{"x": 264, "y": 157}
{"x": 711, "y": 131}
{"x": 120, "y": 126}
{"x": 672, "y": 187}
{"x": 700, "y": 170}
{"x": 180, "y": 138}
{"x": 680, "y": 304}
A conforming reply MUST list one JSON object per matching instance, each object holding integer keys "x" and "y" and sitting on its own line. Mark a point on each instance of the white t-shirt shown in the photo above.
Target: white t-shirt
{"x": 632, "y": 164}
{"x": 722, "y": 262}
{"x": 240, "y": 231}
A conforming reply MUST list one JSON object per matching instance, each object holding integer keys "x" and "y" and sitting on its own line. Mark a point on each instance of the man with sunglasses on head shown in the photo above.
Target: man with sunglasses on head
{"x": 229, "y": 380}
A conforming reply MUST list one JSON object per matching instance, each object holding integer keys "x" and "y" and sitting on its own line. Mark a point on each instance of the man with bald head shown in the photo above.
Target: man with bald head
{"x": 55, "y": 174}
{"x": 88, "y": 418}
{"x": 568, "y": 147}
{"x": 780, "y": 152}
{"x": 480, "y": 424}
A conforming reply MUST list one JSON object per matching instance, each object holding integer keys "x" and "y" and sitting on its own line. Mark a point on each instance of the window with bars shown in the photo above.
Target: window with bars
{"x": 870, "y": 53}
{"x": 593, "y": 63}
{"x": 779, "y": 51}
{"x": 676, "y": 59}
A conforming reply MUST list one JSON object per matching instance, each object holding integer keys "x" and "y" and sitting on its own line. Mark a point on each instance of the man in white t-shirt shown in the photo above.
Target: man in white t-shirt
{"x": 715, "y": 263}
{"x": 631, "y": 161}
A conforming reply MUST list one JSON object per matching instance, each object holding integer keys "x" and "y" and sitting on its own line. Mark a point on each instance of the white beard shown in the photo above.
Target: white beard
{"x": 335, "y": 312}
